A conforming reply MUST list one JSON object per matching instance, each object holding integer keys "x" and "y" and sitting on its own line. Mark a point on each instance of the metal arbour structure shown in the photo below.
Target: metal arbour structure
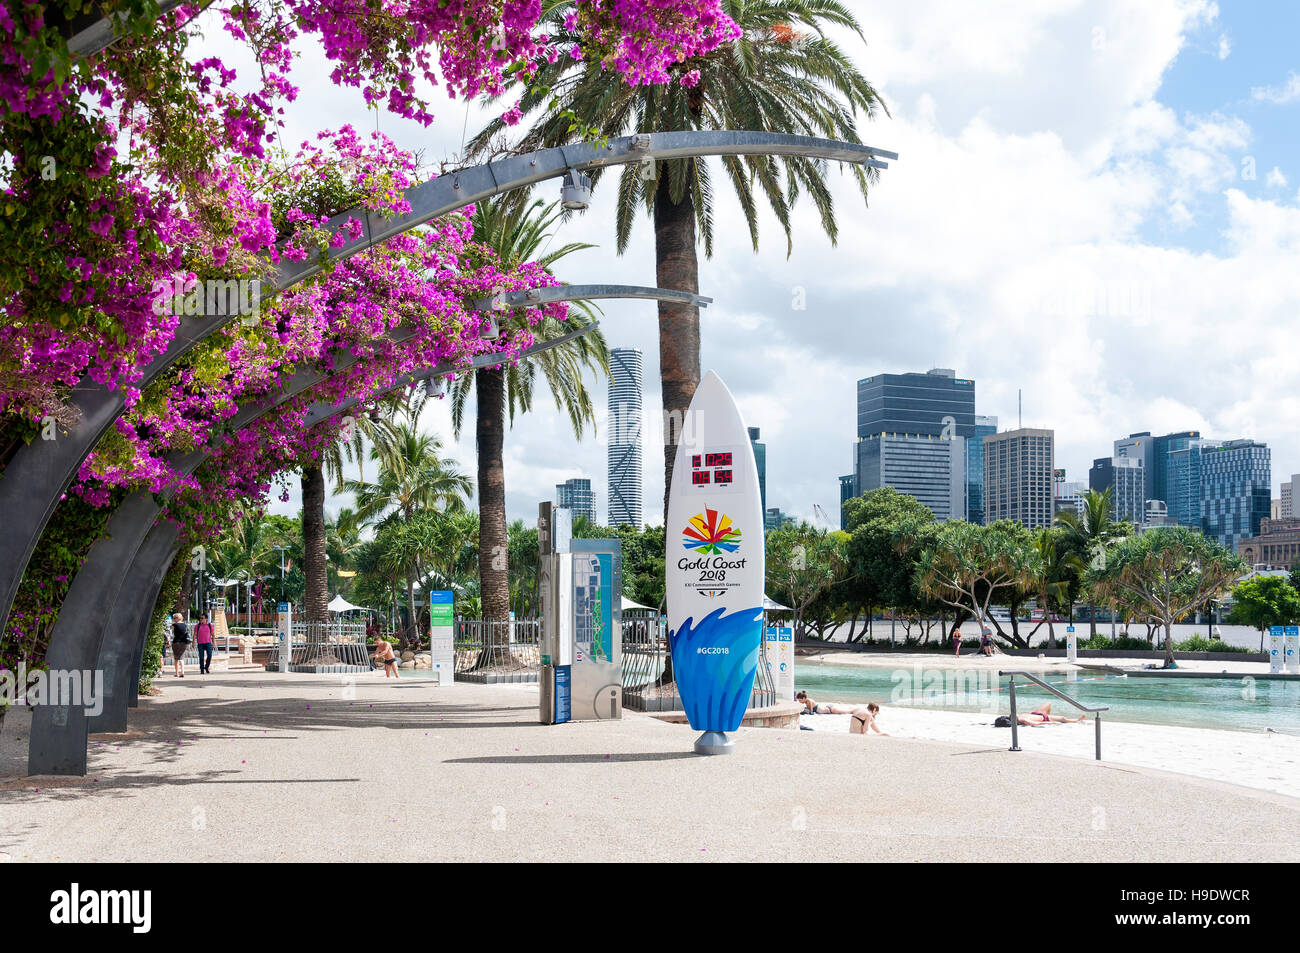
{"x": 39, "y": 473}
{"x": 103, "y": 624}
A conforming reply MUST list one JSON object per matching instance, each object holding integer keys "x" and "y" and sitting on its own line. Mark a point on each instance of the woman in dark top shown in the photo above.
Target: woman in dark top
{"x": 180, "y": 642}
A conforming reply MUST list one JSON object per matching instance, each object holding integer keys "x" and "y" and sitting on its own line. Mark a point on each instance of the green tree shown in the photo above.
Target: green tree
{"x": 1088, "y": 533}
{"x": 517, "y": 235}
{"x": 413, "y": 477}
{"x": 803, "y": 563}
{"x": 887, "y": 532}
{"x": 1058, "y": 569}
{"x": 1165, "y": 574}
{"x": 1264, "y": 601}
{"x": 783, "y": 75}
{"x": 968, "y": 566}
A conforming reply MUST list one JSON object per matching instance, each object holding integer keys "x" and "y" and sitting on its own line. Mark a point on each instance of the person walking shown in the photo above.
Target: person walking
{"x": 956, "y": 641}
{"x": 203, "y": 637}
{"x": 180, "y": 644}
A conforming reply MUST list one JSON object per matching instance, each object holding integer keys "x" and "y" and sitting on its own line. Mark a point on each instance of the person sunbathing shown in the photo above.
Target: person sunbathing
{"x": 1042, "y": 715}
{"x": 862, "y": 719}
{"x": 822, "y": 708}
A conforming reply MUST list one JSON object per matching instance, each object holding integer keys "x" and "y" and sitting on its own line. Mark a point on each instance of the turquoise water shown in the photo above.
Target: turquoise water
{"x": 1229, "y": 703}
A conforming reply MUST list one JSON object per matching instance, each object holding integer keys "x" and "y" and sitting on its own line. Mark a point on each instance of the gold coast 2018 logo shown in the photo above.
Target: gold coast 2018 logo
{"x": 711, "y": 533}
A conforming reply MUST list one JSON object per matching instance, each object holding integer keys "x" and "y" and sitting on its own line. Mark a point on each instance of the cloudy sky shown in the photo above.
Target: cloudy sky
{"x": 1097, "y": 203}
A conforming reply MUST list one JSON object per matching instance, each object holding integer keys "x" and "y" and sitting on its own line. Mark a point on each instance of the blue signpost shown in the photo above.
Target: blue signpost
{"x": 563, "y": 693}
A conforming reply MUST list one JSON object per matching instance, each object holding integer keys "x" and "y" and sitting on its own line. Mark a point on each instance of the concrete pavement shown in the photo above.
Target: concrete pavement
{"x": 272, "y": 767}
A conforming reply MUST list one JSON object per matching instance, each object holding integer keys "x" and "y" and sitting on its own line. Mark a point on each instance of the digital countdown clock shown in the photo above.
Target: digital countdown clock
{"x": 713, "y": 469}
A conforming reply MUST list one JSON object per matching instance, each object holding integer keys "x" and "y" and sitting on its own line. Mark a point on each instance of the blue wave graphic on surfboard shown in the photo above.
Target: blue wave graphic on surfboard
{"x": 715, "y": 687}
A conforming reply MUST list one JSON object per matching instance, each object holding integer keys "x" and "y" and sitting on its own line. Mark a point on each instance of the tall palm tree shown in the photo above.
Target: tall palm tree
{"x": 1088, "y": 532}
{"x": 517, "y": 233}
{"x": 375, "y": 428}
{"x": 1051, "y": 579}
{"x": 413, "y": 477}
{"x": 783, "y": 75}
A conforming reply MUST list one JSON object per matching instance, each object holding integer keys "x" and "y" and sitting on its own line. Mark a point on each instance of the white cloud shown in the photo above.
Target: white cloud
{"x": 1011, "y": 241}
{"x": 1275, "y": 178}
{"x": 1278, "y": 94}
{"x": 1225, "y": 46}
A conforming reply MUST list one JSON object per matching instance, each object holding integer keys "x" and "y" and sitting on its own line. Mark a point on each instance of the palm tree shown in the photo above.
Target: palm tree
{"x": 413, "y": 477}
{"x": 517, "y": 234}
{"x": 1088, "y": 532}
{"x": 376, "y": 427}
{"x": 1051, "y": 579}
{"x": 783, "y": 75}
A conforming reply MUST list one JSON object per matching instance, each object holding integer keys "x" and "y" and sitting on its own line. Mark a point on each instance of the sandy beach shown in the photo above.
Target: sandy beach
{"x": 1266, "y": 761}
{"x": 260, "y": 766}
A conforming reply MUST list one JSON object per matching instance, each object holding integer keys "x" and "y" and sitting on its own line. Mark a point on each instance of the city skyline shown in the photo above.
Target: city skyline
{"x": 1100, "y": 300}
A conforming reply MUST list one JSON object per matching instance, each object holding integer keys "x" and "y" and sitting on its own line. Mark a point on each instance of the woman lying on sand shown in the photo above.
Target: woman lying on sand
{"x": 822, "y": 708}
{"x": 1042, "y": 715}
{"x": 863, "y": 718}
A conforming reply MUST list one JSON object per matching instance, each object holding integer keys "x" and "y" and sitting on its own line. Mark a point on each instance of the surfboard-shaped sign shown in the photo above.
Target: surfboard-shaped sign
{"x": 714, "y": 566}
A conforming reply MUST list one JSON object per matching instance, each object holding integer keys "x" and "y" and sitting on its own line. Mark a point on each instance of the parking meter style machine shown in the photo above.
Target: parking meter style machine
{"x": 284, "y": 632}
{"x": 714, "y": 566}
{"x": 581, "y": 584}
{"x": 442, "y": 643}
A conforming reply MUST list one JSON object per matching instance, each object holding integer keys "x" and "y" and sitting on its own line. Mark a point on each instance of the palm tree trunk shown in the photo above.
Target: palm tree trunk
{"x": 493, "y": 568}
{"x": 1169, "y": 645}
{"x": 676, "y": 267}
{"x": 316, "y": 595}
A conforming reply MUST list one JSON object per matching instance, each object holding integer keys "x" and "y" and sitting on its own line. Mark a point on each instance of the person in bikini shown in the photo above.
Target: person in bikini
{"x": 1042, "y": 715}
{"x": 822, "y": 708}
{"x": 385, "y": 657}
{"x": 863, "y": 719}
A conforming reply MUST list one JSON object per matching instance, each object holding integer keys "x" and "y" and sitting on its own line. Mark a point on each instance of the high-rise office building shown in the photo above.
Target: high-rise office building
{"x": 1286, "y": 505}
{"x": 1018, "y": 477}
{"x": 913, "y": 434}
{"x": 931, "y": 468}
{"x": 624, "y": 452}
{"x": 775, "y": 519}
{"x": 760, "y": 459}
{"x": 1068, "y": 495}
{"x": 576, "y": 495}
{"x": 1236, "y": 487}
{"x": 975, "y": 467}
{"x": 1125, "y": 477}
{"x": 916, "y": 404}
{"x": 1154, "y": 454}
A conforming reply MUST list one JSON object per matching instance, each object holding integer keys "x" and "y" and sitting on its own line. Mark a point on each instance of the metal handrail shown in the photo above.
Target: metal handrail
{"x": 1015, "y": 720}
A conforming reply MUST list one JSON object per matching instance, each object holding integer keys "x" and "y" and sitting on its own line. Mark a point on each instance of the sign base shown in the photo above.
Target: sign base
{"x": 714, "y": 742}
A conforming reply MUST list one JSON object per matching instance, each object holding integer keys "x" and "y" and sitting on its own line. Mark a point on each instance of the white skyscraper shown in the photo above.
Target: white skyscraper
{"x": 624, "y": 435}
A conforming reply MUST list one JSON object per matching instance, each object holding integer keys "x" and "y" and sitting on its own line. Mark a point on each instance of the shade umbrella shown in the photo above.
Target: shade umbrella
{"x": 339, "y": 604}
{"x": 627, "y": 604}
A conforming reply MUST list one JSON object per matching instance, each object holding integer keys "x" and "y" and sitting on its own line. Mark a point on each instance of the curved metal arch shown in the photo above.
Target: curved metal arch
{"x": 127, "y": 628}
{"x": 41, "y": 472}
{"x": 126, "y": 568}
{"x": 533, "y": 297}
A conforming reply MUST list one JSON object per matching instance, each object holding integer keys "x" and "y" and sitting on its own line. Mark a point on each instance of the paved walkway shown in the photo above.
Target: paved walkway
{"x": 268, "y": 766}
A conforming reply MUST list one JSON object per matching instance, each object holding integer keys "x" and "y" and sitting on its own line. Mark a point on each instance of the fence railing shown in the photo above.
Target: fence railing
{"x": 498, "y": 651}
{"x": 325, "y": 647}
{"x": 647, "y": 678}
